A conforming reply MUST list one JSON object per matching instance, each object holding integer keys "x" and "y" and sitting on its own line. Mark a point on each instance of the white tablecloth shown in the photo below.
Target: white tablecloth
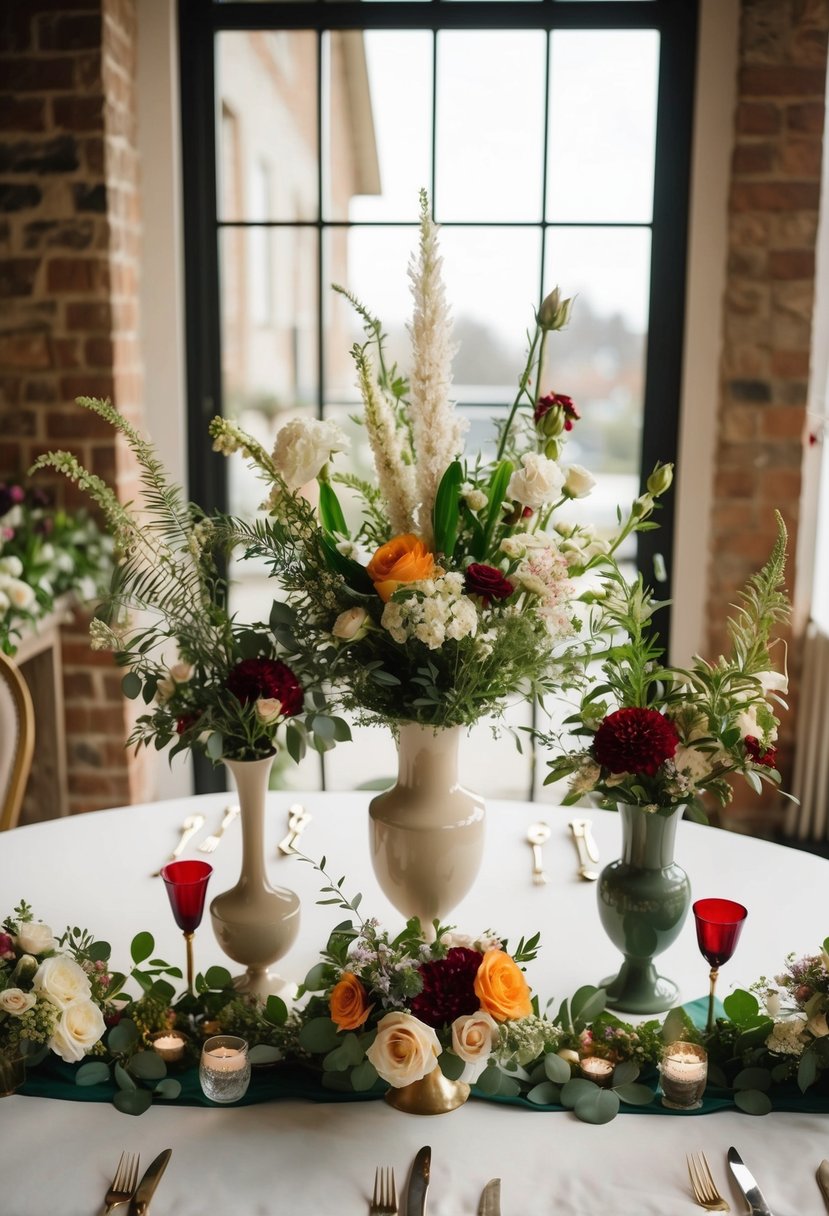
{"x": 290, "y": 1156}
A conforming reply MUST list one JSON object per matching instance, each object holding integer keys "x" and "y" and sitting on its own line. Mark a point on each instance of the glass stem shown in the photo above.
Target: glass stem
{"x": 188, "y": 937}
{"x": 715, "y": 971}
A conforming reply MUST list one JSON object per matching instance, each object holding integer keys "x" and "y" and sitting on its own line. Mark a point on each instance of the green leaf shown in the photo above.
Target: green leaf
{"x": 497, "y": 493}
{"x": 450, "y": 1065}
{"x": 96, "y": 1072}
{"x": 99, "y": 952}
{"x": 215, "y": 745}
{"x": 342, "y": 731}
{"x": 346, "y": 1055}
{"x": 134, "y": 1101}
{"x": 316, "y": 980}
{"x": 635, "y": 1095}
{"x": 162, "y": 991}
{"x": 598, "y": 1107}
{"x": 807, "y": 1070}
{"x": 148, "y": 1066}
{"x": 276, "y": 1011}
{"x": 131, "y": 685}
{"x": 446, "y": 511}
{"x": 545, "y": 1094}
{"x": 141, "y": 947}
{"x": 318, "y": 1035}
{"x": 281, "y": 614}
{"x": 323, "y": 727}
{"x": 752, "y": 1101}
{"x": 353, "y": 573}
{"x": 331, "y": 514}
{"x": 218, "y": 978}
{"x": 753, "y": 1078}
{"x": 263, "y": 1053}
{"x": 576, "y": 1088}
{"x": 741, "y": 1006}
{"x": 122, "y": 1037}
{"x": 557, "y": 1069}
{"x": 586, "y": 1004}
{"x": 364, "y": 1076}
{"x": 122, "y": 1078}
{"x": 296, "y": 743}
{"x": 625, "y": 1072}
{"x": 168, "y": 1088}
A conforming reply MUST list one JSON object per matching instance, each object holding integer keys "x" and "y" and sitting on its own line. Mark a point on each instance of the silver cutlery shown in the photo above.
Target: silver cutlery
{"x": 146, "y": 1187}
{"x": 191, "y": 825}
{"x": 748, "y": 1186}
{"x": 419, "y": 1183}
{"x": 585, "y": 847}
{"x": 211, "y": 843}
{"x": 490, "y": 1204}
{"x": 298, "y": 820}
{"x": 537, "y": 835}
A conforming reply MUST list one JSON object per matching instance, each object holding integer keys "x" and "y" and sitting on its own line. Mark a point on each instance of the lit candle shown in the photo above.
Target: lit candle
{"x": 225, "y": 1068}
{"x": 684, "y": 1069}
{"x": 225, "y": 1059}
{"x": 169, "y": 1045}
{"x": 595, "y": 1068}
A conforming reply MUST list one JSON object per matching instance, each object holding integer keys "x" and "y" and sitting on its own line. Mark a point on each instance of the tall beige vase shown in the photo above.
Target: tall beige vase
{"x": 427, "y": 831}
{"x": 255, "y": 923}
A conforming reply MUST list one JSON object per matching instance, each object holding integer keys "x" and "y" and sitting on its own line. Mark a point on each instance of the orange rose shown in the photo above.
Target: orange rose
{"x": 501, "y": 988}
{"x": 348, "y": 1005}
{"x": 403, "y": 559}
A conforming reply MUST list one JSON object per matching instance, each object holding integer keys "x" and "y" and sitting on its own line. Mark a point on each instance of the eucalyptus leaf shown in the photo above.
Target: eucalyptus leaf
{"x": 218, "y": 977}
{"x": 133, "y": 1101}
{"x": 131, "y": 685}
{"x": 752, "y": 1102}
{"x": 598, "y": 1107}
{"x": 122, "y": 1037}
{"x": 296, "y": 743}
{"x": 215, "y": 745}
{"x": 576, "y": 1088}
{"x": 635, "y": 1094}
{"x": 489, "y": 1080}
{"x": 315, "y": 980}
{"x": 807, "y": 1071}
{"x": 625, "y": 1072}
{"x": 586, "y": 1004}
{"x": 263, "y": 1053}
{"x": 741, "y": 1006}
{"x": 451, "y": 1065}
{"x": 557, "y": 1069}
{"x": 753, "y": 1078}
{"x": 99, "y": 952}
{"x": 545, "y": 1094}
{"x": 122, "y": 1078}
{"x": 319, "y": 1035}
{"x": 276, "y": 1011}
{"x": 364, "y": 1076}
{"x": 168, "y": 1088}
{"x": 96, "y": 1072}
{"x": 346, "y": 1055}
{"x": 148, "y": 1065}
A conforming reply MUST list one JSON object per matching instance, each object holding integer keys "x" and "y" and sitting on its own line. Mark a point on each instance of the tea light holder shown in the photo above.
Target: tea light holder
{"x": 684, "y": 1075}
{"x": 596, "y": 1069}
{"x": 224, "y": 1070}
{"x": 169, "y": 1044}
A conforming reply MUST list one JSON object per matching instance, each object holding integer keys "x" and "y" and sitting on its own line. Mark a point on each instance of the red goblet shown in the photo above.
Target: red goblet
{"x": 719, "y": 925}
{"x": 186, "y": 883}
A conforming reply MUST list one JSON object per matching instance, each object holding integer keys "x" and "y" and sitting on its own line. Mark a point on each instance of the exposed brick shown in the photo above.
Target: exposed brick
{"x": 94, "y": 316}
{"x": 779, "y": 485}
{"x": 67, "y": 353}
{"x": 18, "y": 422}
{"x": 790, "y": 363}
{"x": 86, "y": 424}
{"x": 774, "y": 196}
{"x": 739, "y": 424}
{"x": 90, "y": 197}
{"x": 752, "y": 158}
{"x": 73, "y": 234}
{"x": 28, "y": 351}
{"x": 57, "y": 155}
{"x": 78, "y": 113}
{"x": 22, "y": 114}
{"x": 807, "y": 117}
{"x": 19, "y": 197}
{"x": 734, "y": 483}
{"x": 792, "y": 264}
{"x": 98, "y": 352}
{"x": 17, "y": 276}
{"x": 800, "y": 157}
{"x": 749, "y": 390}
{"x": 41, "y": 391}
{"x": 808, "y": 46}
{"x": 791, "y": 392}
{"x": 77, "y": 274}
{"x": 782, "y": 80}
{"x": 729, "y": 517}
{"x": 21, "y": 74}
{"x": 782, "y": 422}
{"x": 75, "y": 32}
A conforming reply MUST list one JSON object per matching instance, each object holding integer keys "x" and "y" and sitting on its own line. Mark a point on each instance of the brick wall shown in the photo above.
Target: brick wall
{"x": 69, "y": 233}
{"x": 773, "y": 216}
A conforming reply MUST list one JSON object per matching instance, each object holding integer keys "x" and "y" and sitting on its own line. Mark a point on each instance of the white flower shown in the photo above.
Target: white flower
{"x": 539, "y": 482}
{"x": 62, "y": 980}
{"x": 432, "y": 610}
{"x": 693, "y": 763}
{"x": 475, "y": 499}
{"x": 33, "y": 937}
{"x": 80, "y": 1027}
{"x": 578, "y": 482}
{"x": 4, "y": 603}
{"x": 21, "y": 595}
{"x": 12, "y": 566}
{"x": 181, "y": 672}
{"x": 164, "y": 689}
{"x": 351, "y": 625}
{"x": 818, "y": 1026}
{"x": 15, "y": 1001}
{"x": 585, "y": 778}
{"x": 404, "y": 1050}
{"x": 773, "y": 681}
{"x": 473, "y": 1035}
{"x": 268, "y": 710}
{"x": 786, "y": 1038}
{"x": 303, "y": 446}
{"x": 772, "y": 1004}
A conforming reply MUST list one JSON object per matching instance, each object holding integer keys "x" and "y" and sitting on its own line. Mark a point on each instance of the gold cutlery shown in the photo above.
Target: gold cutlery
{"x": 123, "y": 1184}
{"x": 823, "y": 1180}
{"x": 537, "y": 835}
{"x": 384, "y": 1199}
{"x": 298, "y": 820}
{"x": 703, "y": 1185}
{"x": 211, "y": 843}
{"x": 490, "y": 1204}
{"x": 189, "y": 828}
{"x": 146, "y": 1187}
{"x": 585, "y": 847}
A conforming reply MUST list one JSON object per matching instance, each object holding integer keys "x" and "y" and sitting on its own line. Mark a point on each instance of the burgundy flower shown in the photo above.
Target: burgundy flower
{"x": 557, "y": 401}
{"x": 255, "y": 678}
{"x": 448, "y": 989}
{"x": 767, "y": 756}
{"x": 635, "y": 741}
{"x": 6, "y": 946}
{"x": 487, "y": 582}
{"x": 184, "y": 723}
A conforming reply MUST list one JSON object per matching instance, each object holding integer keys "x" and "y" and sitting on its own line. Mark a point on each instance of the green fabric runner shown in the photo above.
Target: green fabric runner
{"x": 54, "y": 1079}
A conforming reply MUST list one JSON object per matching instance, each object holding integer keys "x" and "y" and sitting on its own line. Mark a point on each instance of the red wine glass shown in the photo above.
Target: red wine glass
{"x": 719, "y": 925}
{"x": 186, "y": 883}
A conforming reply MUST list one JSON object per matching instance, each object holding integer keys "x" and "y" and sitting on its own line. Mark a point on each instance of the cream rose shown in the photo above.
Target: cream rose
{"x": 404, "y": 1050}
{"x": 578, "y": 482}
{"x": 12, "y": 566}
{"x": 540, "y": 481}
{"x": 62, "y": 980}
{"x": 351, "y": 625}
{"x": 818, "y": 1025}
{"x": 21, "y": 594}
{"x": 303, "y": 447}
{"x": 268, "y": 710}
{"x": 473, "y": 1035}
{"x": 80, "y": 1027}
{"x": 15, "y": 1001}
{"x": 181, "y": 672}
{"x": 35, "y": 938}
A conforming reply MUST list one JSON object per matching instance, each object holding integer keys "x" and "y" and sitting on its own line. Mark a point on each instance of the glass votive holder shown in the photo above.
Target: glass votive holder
{"x": 169, "y": 1044}
{"x": 224, "y": 1070}
{"x": 684, "y": 1074}
{"x": 596, "y": 1069}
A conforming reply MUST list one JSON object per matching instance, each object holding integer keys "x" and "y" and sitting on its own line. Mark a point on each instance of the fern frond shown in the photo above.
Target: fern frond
{"x": 762, "y": 606}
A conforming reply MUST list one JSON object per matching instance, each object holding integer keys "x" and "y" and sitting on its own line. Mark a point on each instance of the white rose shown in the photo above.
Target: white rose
{"x": 578, "y": 482}
{"x": 351, "y": 625}
{"x": 80, "y": 1027}
{"x": 62, "y": 980}
{"x": 20, "y": 594}
{"x": 268, "y": 710}
{"x": 772, "y": 1004}
{"x": 473, "y": 1035}
{"x": 181, "y": 672}
{"x": 15, "y": 1001}
{"x": 35, "y": 938}
{"x": 12, "y": 566}
{"x": 540, "y": 481}
{"x": 818, "y": 1026}
{"x": 404, "y": 1050}
{"x": 303, "y": 447}
{"x": 164, "y": 689}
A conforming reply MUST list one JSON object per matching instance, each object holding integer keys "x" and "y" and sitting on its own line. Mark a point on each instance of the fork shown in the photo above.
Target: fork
{"x": 124, "y": 1182}
{"x": 189, "y": 828}
{"x": 703, "y": 1185}
{"x": 384, "y": 1200}
{"x": 211, "y": 843}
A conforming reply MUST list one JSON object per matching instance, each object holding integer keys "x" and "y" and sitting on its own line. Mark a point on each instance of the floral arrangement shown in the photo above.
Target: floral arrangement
{"x": 45, "y": 553}
{"x": 454, "y": 585}
{"x": 213, "y": 684}
{"x": 659, "y": 736}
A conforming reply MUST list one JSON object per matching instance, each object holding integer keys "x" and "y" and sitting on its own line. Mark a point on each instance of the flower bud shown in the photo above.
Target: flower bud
{"x": 660, "y": 479}
{"x": 578, "y": 482}
{"x": 554, "y": 312}
{"x": 268, "y": 710}
{"x": 24, "y": 972}
{"x": 552, "y": 449}
{"x": 642, "y": 507}
{"x": 351, "y": 625}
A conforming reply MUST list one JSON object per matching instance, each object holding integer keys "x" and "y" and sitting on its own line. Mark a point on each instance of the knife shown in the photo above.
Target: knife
{"x": 419, "y": 1183}
{"x": 823, "y": 1180}
{"x": 146, "y": 1187}
{"x": 745, "y": 1181}
{"x": 490, "y": 1204}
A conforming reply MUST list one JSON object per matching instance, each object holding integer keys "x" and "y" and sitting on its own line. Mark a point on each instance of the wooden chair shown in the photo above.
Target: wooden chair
{"x": 17, "y": 741}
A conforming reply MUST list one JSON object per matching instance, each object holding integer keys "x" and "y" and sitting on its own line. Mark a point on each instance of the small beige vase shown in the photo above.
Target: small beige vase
{"x": 427, "y": 831}
{"x": 255, "y": 923}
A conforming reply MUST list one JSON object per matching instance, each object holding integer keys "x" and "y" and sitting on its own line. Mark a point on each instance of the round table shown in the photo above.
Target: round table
{"x": 290, "y": 1156}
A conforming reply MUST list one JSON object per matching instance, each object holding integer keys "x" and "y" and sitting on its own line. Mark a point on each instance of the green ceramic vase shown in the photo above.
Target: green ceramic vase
{"x": 643, "y": 901}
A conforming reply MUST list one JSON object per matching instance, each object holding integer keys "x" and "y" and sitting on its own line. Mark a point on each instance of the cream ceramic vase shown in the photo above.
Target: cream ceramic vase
{"x": 255, "y": 923}
{"x": 427, "y": 831}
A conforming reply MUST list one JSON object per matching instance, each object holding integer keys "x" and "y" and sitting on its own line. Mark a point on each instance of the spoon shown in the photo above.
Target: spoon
{"x": 585, "y": 847}
{"x": 189, "y": 828}
{"x": 537, "y": 835}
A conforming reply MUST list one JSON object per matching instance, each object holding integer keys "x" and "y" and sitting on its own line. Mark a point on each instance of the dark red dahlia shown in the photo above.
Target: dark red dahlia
{"x": 448, "y": 988}
{"x": 635, "y": 741}
{"x": 767, "y": 756}
{"x": 255, "y": 678}
{"x": 184, "y": 723}
{"x": 487, "y": 582}
{"x": 557, "y": 401}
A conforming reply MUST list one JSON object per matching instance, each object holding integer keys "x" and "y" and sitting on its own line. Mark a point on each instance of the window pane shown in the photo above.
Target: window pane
{"x": 603, "y": 89}
{"x": 267, "y": 87}
{"x": 490, "y": 125}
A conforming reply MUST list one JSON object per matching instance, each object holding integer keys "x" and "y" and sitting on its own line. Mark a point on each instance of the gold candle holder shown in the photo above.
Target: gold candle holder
{"x": 169, "y": 1044}
{"x": 597, "y": 1069}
